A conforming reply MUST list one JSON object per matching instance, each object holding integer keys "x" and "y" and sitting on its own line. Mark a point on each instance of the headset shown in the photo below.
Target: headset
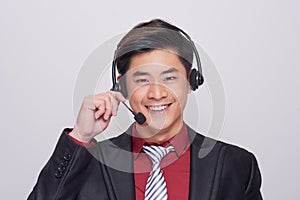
{"x": 196, "y": 78}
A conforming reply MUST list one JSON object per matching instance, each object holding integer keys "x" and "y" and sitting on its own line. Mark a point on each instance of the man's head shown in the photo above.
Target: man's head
{"x": 154, "y": 60}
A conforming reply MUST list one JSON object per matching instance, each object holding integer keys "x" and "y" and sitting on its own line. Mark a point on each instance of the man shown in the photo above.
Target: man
{"x": 155, "y": 159}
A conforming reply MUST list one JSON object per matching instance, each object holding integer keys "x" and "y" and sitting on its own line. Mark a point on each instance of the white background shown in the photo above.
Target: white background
{"x": 254, "y": 44}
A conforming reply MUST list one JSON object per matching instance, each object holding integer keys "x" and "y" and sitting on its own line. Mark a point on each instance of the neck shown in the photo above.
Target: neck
{"x": 153, "y": 135}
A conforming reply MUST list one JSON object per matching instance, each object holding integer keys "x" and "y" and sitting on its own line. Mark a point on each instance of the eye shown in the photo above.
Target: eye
{"x": 142, "y": 80}
{"x": 169, "y": 78}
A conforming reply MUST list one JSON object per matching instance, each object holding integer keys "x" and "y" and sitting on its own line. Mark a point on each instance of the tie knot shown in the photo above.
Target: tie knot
{"x": 156, "y": 153}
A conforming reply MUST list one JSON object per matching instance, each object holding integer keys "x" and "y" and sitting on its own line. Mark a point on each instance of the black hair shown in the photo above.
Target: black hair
{"x": 153, "y": 35}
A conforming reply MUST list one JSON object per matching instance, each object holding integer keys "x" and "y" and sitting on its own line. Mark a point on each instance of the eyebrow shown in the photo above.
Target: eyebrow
{"x": 141, "y": 73}
{"x": 171, "y": 70}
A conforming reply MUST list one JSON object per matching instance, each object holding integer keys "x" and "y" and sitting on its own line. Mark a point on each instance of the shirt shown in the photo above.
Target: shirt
{"x": 175, "y": 165}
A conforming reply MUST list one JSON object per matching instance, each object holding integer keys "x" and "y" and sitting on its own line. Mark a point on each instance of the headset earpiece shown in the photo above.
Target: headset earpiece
{"x": 196, "y": 79}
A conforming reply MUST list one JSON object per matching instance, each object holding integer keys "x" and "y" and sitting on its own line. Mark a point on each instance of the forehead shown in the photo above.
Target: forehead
{"x": 156, "y": 61}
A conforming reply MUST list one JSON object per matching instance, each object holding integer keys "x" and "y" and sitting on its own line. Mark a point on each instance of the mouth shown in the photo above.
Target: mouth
{"x": 158, "y": 108}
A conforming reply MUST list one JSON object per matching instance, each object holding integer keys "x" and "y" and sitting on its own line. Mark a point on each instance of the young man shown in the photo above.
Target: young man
{"x": 157, "y": 159}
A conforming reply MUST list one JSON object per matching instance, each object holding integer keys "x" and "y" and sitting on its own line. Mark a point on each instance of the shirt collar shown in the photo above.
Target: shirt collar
{"x": 180, "y": 141}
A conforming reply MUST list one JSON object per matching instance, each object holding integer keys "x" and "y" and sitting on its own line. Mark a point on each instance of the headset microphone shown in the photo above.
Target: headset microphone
{"x": 139, "y": 117}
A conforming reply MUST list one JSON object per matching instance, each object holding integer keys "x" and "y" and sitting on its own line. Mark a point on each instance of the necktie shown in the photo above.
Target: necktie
{"x": 156, "y": 186}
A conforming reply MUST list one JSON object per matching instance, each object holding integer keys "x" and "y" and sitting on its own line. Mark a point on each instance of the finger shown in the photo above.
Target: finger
{"x": 108, "y": 106}
{"x": 115, "y": 103}
{"x": 98, "y": 103}
{"x": 103, "y": 124}
{"x": 118, "y": 96}
{"x": 100, "y": 111}
{"x": 115, "y": 106}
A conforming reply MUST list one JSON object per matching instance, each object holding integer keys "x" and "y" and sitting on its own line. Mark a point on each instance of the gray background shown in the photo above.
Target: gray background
{"x": 254, "y": 44}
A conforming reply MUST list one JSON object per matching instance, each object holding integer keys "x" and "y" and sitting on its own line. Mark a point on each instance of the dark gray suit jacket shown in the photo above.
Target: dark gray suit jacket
{"x": 218, "y": 171}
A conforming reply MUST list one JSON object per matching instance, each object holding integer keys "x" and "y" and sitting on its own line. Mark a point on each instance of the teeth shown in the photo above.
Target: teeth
{"x": 157, "y": 108}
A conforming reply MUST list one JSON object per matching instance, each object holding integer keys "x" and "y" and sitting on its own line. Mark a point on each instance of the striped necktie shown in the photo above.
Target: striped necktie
{"x": 156, "y": 186}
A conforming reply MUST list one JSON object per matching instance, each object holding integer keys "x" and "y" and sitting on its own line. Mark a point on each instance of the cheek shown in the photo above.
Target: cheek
{"x": 181, "y": 97}
{"x": 136, "y": 97}
{"x": 178, "y": 91}
{"x": 134, "y": 90}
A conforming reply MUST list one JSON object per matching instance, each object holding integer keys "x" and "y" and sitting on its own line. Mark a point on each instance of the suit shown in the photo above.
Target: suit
{"x": 218, "y": 171}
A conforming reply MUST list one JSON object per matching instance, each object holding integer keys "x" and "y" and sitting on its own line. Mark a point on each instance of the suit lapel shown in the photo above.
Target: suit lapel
{"x": 203, "y": 166}
{"x": 118, "y": 168}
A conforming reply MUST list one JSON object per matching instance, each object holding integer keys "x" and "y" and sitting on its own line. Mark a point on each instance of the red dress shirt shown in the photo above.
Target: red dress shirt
{"x": 175, "y": 165}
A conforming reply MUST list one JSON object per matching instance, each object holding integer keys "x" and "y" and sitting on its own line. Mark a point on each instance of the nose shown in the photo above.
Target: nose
{"x": 157, "y": 91}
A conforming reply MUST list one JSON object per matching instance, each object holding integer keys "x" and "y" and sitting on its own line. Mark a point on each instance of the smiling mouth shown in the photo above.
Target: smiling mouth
{"x": 157, "y": 108}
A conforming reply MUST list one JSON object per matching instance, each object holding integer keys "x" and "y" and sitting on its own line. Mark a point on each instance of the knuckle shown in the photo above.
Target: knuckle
{"x": 106, "y": 97}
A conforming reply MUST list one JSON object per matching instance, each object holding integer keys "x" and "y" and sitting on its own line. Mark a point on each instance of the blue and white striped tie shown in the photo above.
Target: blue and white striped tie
{"x": 156, "y": 188}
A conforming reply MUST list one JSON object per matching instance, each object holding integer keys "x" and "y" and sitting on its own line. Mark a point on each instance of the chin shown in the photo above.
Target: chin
{"x": 164, "y": 125}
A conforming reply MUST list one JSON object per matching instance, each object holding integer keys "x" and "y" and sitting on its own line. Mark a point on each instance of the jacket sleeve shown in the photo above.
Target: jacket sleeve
{"x": 64, "y": 173}
{"x": 254, "y": 183}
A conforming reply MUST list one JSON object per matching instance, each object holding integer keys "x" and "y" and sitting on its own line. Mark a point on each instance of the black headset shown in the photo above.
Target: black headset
{"x": 196, "y": 78}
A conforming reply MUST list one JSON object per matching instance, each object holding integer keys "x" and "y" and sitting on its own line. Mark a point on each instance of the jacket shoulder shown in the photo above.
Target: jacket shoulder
{"x": 236, "y": 171}
{"x": 207, "y": 144}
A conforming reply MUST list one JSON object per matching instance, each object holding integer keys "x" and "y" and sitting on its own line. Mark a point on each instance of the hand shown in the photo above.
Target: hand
{"x": 95, "y": 114}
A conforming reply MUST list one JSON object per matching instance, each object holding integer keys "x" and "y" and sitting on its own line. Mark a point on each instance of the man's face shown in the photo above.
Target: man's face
{"x": 157, "y": 87}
